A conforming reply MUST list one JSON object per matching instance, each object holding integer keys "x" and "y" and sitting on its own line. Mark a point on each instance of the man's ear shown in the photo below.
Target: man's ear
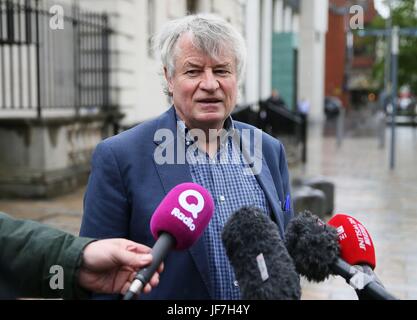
{"x": 169, "y": 81}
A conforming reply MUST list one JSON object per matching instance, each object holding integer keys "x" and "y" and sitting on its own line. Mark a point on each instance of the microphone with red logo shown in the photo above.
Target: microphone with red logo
{"x": 318, "y": 253}
{"x": 357, "y": 249}
{"x": 177, "y": 223}
{"x": 356, "y": 246}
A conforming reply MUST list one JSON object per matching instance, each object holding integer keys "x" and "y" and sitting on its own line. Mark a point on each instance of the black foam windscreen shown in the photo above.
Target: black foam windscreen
{"x": 313, "y": 246}
{"x": 262, "y": 265}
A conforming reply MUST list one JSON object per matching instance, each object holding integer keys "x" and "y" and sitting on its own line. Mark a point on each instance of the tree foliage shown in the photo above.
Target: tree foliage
{"x": 404, "y": 15}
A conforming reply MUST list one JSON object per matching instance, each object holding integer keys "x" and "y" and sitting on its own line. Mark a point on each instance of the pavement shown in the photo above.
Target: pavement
{"x": 383, "y": 200}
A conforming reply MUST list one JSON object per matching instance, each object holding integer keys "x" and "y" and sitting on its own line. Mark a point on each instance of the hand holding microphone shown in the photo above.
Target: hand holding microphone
{"x": 177, "y": 223}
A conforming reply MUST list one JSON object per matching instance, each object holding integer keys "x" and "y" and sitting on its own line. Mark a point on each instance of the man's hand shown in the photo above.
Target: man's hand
{"x": 109, "y": 266}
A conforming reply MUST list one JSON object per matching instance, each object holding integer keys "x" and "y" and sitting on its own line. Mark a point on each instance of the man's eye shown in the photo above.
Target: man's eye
{"x": 222, "y": 71}
{"x": 193, "y": 72}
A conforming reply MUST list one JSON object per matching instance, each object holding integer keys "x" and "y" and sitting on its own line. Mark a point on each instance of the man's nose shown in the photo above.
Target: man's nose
{"x": 209, "y": 81}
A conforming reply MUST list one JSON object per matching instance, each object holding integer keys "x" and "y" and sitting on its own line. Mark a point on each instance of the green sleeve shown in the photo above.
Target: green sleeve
{"x": 29, "y": 249}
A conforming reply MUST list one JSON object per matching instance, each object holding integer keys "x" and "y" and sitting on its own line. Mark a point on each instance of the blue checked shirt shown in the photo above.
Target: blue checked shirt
{"x": 231, "y": 188}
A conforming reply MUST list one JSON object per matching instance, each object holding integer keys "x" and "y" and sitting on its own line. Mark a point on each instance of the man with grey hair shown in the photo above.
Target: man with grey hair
{"x": 196, "y": 140}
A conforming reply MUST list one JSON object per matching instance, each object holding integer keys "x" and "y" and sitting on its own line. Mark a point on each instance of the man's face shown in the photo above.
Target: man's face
{"x": 204, "y": 90}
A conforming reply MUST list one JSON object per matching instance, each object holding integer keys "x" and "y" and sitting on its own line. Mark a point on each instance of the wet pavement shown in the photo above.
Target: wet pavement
{"x": 63, "y": 212}
{"x": 384, "y": 200}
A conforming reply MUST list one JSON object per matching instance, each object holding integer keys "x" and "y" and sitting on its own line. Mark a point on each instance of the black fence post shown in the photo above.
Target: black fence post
{"x": 76, "y": 61}
{"x": 28, "y": 42}
{"x": 106, "y": 62}
{"x": 3, "y": 60}
{"x": 10, "y": 40}
{"x": 304, "y": 125}
{"x": 38, "y": 61}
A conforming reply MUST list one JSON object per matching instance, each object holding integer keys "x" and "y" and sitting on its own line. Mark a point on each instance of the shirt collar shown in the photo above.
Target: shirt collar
{"x": 229, "y": 127}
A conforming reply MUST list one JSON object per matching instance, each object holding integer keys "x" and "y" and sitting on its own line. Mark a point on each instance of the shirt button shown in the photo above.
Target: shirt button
{"x": 222, "y": 198}
{"x": 235, "y": 283}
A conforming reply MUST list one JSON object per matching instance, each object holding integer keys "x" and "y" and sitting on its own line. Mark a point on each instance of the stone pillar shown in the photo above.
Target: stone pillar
{"x": 278, "y": 16}
{"x": 266, "y": 47}
{"x": 253, "y": 44}
{"x": 311, "y": 55}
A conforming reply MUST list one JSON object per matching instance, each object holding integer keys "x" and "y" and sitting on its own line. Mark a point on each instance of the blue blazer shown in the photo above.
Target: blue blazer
{"x": 126, "y": 185}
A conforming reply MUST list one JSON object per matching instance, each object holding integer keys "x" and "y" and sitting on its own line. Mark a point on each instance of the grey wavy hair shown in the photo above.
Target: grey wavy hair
{"x": 210, "y": 34}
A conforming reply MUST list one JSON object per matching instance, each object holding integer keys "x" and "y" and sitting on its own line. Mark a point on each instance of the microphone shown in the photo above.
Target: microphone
{"x": 356, "y": 246}
{"x": 357, "y": 249}
{"x": 177, "y": 223}
{"x": 262, "y": 265}
{"x": 316, "y": 252}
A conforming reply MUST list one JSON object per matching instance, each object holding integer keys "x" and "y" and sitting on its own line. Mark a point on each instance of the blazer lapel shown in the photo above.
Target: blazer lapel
{"x": 264, "y": 179}
{"x": 177, "y": 173}
{"x": 267, "y": 184}
{"x": 171, "y": 174}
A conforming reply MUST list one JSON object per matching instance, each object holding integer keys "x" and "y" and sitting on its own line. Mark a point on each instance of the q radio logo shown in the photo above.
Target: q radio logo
{"x": 193, "y": 208}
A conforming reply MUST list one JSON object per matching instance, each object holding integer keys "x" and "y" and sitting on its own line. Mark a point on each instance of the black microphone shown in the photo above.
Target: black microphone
{"x": 263, "y": 268}
{"x": 315, "y": 250}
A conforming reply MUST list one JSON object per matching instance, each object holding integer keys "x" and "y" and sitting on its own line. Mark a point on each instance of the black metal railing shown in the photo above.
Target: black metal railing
{"x": 44, "y": 67}
{"x": 277, "y": 121}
